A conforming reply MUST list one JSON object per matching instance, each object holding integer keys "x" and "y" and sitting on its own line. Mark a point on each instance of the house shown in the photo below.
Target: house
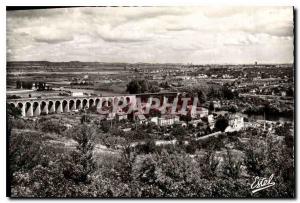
{"x": 110, "y": 116}
{"x": 68, "y": 126}
{"x": 283, "y": 93}
{"x": 226, "y": 76}
{"x": 236, "y": 123}
{"x": 140, "y": 118}
{"x": 195, "y": 123}
{"x": 154, "y": 120}
{"x": 217, "y": 104}
{"x": 77, "y": 94}
{"x": 221, "y": 113}
{"x": 126, "y": 129}
{"x": 202, "y": 76}
{"x": 183, "y": 77}
{"x": 180, "y": 123}
{"x": 121, "y": 116}
{"x": 199, "y": 112}
{"x": 211, "y": 121}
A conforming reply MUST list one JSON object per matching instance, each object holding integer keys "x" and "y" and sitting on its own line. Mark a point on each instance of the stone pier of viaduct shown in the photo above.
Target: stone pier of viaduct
{"x": 37, "y": 106}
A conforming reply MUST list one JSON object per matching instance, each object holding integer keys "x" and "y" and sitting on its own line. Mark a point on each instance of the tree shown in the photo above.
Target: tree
{"x": 52, "y": 126}
{"x": 201, "y": 96}
{"x": 137, "y": 86}
{"x": 154, "y": 112}
{"x": 232, "y": 167}
{"x": 208, "y": 164}
{"x": 133, "y": 87}
{"x": 13, "y": 97}
{"x": 12, "y": 111}
{"x": 41, "y": 86}
{"x": 232, "y": 108}
{"x": 27, "y": 84}
{"x": 290, "y": 92}
{"x": 105, "y": 126}
{"x": 18, "y": 84}
{"x": 154, "y": 88}
{"x": 211, "y": 106}
{"x": 227, "y": 93}
{"x": 221, "y": 123}
{"x": 179, "y": 133}
{"x": 80, "y": 164}
{"x": 85, "y": 118}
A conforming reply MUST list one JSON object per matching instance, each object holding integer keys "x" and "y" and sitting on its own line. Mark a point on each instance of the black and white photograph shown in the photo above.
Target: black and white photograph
{"x": 150, "y": 102}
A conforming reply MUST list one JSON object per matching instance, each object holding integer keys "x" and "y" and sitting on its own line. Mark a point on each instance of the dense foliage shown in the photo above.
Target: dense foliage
{"x": 141, "y": 86}
{"x": 223, "y": 166}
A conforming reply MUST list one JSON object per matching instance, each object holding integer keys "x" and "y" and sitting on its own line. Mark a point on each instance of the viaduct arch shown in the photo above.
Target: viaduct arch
{"x": 36, "y": 106}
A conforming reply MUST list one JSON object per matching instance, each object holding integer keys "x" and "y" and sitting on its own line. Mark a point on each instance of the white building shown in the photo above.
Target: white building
{"x": 217, "y": 104}
{"x": 199, "y": 112}
{"x": 77, "y": 94}
{"x": 140, "y": 118}
{"x": 226, "y": 76}
{"x": 202, "y": 76}
{"x": 111, "y": 116}
{"x": 236, "y": 123}
{"x": 211, "y": 121}
{"x": 167, "y": 120}
{"x": 183, "y": 77}
{"x": 194, "y": 123}
{"x": 154, "y": 120}
{"x": 121, "y": 116}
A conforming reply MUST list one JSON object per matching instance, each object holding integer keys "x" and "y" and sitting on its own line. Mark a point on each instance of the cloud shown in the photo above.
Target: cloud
{"x": 180, "y": 28}
{"x": 50, "y": 34}
{"x": 53, "y": 40}
{"x": 278, "y": 30}
{"x": 153, "y": 12}
{"x": 123, "y": 39}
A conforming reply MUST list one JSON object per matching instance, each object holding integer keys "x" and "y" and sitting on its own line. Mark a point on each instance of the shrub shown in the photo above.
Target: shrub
{"x": 52, "y": 126}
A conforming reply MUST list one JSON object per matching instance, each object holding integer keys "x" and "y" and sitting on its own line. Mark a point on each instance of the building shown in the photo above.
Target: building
{"x": 216, "y": 104}
{"x": 121, "y": 116}
{"x": 140, "y": 118}
{"x": 180, "y": 123}
{"x": 226, "y": 76}
{"x": 154, "y": 120}
{"x": 202, "y": 76}
{"x": 183, "y": 77}
{"x": 126, "y": 129}
{"x": 195, "y": 123}
{"x": 167, "y": 120}
{"x": 211, "y": 121}
{"x": 77, "y": 94}
{"x": 110, "y": 116}
{"x": 236, "y": 123}
{"x": 199, "y": 112}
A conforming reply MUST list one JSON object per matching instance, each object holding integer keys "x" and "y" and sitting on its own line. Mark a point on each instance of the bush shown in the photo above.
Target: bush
{"x": 19, "y": 124}
{"x": 113, "y": 141}
{"x": 52, "y": 126}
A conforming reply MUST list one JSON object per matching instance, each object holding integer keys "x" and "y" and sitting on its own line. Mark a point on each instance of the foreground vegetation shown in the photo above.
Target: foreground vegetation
{"x": 48, "y": 159}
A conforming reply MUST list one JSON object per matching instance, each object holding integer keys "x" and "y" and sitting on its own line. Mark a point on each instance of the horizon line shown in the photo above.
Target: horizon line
{"x": 188, "y": 63}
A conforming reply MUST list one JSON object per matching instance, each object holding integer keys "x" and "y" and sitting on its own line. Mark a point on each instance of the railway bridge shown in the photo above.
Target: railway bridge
{"x": 37, "y": 106}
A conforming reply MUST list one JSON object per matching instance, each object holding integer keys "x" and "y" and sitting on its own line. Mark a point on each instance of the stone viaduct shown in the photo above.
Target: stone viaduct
{"x": 37, "y": 106}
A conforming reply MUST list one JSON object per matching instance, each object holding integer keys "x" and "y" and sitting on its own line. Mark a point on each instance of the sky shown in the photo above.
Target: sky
{"x": 198, "y": 35}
